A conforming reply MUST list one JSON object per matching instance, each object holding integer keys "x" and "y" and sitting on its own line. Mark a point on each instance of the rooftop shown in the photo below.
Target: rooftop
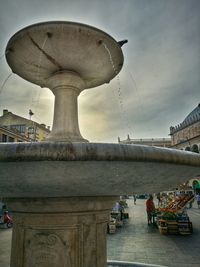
{"x": 193, "y": 117}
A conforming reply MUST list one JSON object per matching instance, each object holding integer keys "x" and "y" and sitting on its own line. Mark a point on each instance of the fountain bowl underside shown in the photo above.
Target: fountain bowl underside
{"x": 91, "y": 169}
{"x": 40, "y": 50}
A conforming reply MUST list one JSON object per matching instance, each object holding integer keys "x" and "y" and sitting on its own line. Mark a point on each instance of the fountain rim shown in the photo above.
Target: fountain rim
{"x": 61, "y": 151}
{"x": 56, "y": 22}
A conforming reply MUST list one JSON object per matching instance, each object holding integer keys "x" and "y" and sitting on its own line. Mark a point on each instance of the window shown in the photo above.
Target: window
{"x": 31, "y": 130}
{"x": 19, "y": 127}
{"x": 11, "y": 139}
{"x": 4, "y": 138}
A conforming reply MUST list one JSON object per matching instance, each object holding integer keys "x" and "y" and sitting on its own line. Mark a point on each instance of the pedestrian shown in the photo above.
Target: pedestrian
{"x": 159, "y": 198}
{"x": 150, "y": 208}
{"x": 198, "y": 200}
{"x": 116, "y": 207}
{"x": 135, "y": 198}
{"x": 6, "y": 217}
{"x": 121, "y": 210}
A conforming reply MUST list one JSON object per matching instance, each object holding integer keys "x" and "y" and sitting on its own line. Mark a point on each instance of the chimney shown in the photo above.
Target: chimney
{"x": 5, "y": 111}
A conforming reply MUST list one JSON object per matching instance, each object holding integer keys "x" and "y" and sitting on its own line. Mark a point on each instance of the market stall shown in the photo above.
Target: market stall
{"x": 118, "y": 215}
{"x": 171, "y": 216}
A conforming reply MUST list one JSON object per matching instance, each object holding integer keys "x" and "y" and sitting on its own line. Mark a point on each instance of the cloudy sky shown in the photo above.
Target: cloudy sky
{"x": 160, "y": 80}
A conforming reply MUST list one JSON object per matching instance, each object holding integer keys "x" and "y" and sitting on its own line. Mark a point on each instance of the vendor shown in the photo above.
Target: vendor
{"x": 150, "y": 208}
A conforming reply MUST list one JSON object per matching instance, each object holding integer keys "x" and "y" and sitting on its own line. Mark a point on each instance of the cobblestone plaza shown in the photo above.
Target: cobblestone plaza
{"x": 138, "y": 242}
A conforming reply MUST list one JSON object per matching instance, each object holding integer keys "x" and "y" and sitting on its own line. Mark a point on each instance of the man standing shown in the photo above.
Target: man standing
{"x": 150, "y": 208}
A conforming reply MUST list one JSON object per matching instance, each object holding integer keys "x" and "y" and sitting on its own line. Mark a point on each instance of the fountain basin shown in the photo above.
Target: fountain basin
{"x": 91, "y": 169}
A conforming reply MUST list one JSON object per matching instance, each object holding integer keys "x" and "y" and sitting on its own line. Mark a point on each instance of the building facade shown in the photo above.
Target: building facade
{"x": 14, "y": 128}
{"x": 7, "y": 136}
{"x": 159, "y": 142}
{"x": 186, "y": 135}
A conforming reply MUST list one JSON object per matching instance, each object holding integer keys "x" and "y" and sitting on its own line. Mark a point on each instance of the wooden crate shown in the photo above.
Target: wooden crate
{"x": 162, "y": 229}
{"x": 111, "y": 228}
{"x": 172, "y": 227}
{"x": 185, "y": 228}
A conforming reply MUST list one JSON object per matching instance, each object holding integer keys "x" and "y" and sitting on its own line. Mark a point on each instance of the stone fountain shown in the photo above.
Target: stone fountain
{"x": 61, "y": 190}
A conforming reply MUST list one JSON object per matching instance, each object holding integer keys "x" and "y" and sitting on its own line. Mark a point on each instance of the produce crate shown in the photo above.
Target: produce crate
{"x": 168, "y": 227}
{"x": 172, "y": 227}
{"x": 111, "y": 228}
{"x": 162, "y": 226}
{"x": 163, "y": 230}
{"x": 119, "y": 223}
{"x": 125, "y": 215}
{"x": 185, "y": 228}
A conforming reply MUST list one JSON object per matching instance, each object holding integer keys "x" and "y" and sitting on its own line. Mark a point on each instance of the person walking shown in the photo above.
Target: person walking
{"x": 159, "y": 199}
{"x": 135, "y": 198}
{"x": 150, "y": 208}
{"x": 198, "y": 200}
{"x": 7, "y": 219}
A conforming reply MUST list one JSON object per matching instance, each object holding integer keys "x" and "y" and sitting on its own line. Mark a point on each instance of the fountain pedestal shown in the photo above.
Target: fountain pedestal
{"x": 62, "y": 232}
{"x": 66, "y": 86}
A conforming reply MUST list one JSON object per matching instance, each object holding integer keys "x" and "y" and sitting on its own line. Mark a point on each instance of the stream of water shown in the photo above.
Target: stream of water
{"x": 3, "y": 84}
{"x": 119, "y": 91}
{"x": 35, "y": 102}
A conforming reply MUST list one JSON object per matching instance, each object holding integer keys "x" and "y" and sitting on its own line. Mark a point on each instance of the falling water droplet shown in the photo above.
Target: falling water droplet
{"x": 110, "y": 57}
{"x": 3, "y": 84}
{"x": 138, "y": 96}
{"x": 37, "y": 97}
{"x": 2, "y": 56}
{"x": 120, "y": 98}
{"x": 40, "y": 56}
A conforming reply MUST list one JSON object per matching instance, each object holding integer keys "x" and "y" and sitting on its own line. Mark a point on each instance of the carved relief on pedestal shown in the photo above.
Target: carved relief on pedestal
{"x": 60, "y": 239}
{"x": 102, "y": 217}
{"x": 46, "y": 250}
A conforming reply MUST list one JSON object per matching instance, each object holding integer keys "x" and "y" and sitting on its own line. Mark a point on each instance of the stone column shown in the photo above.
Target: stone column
{"x": 66, "y": 86}
{"x": 60, "y": 232}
